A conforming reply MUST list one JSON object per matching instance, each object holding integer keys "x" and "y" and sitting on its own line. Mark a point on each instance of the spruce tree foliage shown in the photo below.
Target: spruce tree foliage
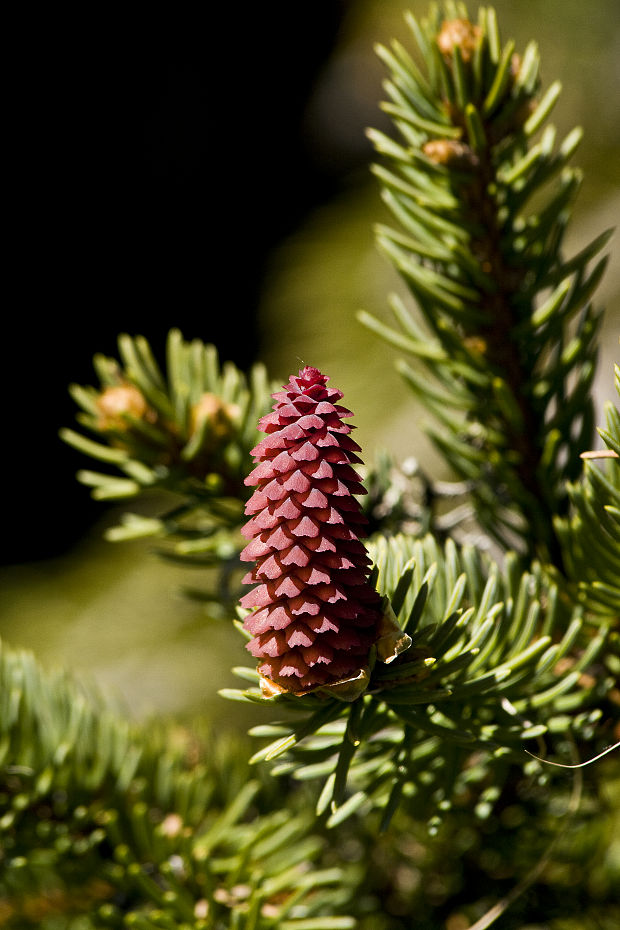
{"x": 481, "y": 191}
{"x": 373, "y": 807}
{"x": 495, "y": 661}
{"x": 185, "y": 435}
{"x": 148, "y": 829}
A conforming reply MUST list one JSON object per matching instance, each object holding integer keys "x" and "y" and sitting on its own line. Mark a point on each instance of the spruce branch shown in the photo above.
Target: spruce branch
{"x": 458, "y": 659}
{"x": 494, "y": 663}
{"x": 508, "y": 331}
{"x": 119, "y": 825}
{"x": 184, "y": 434}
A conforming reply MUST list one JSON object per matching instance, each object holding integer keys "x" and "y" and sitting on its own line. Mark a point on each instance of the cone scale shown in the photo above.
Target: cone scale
{"x": 314, "y": 616}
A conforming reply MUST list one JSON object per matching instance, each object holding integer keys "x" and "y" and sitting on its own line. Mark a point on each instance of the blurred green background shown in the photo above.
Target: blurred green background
{"x": 115, "y": 613}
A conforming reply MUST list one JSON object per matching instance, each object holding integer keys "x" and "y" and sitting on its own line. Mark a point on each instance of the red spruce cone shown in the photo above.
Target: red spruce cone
{"x": 316, "y": 616}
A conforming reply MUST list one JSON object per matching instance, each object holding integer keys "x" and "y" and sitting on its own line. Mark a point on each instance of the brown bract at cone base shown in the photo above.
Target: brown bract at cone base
{"x": 314, "y": 614}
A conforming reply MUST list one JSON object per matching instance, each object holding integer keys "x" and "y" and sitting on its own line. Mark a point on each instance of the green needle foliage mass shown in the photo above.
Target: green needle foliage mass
{"x": 184, "y": 435}
{"x": 496, "y": 666}
{"x": 112, "y": 826}
{"x": 482, "y": 194}
{"x": 449, "y": 789}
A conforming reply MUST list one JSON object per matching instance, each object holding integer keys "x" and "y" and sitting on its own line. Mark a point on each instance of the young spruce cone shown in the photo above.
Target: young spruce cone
{"x": 316, "y": 616}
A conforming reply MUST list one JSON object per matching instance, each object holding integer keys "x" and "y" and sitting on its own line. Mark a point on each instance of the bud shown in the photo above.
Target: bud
{"x": 118, "y": 403}
{"x": 459, "y": 33}
{"x": 451, "y": 153}
{"x": 477, "y": 344}
{"x": 314, "y": 614}
{"x": 219, "y": 416}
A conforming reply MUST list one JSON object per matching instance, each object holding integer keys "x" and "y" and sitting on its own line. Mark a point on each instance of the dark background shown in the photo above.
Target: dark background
{"x": 156, "y": 160}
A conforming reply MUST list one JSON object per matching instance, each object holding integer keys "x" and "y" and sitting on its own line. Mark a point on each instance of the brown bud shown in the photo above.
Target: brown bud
{"x": 458, "y": 33}
{"x": 119, "y": 402}
{"x": 219, "y": 415}
{"x": 201, "y": 908}
{"x": 451, "y": 153}
{"x": 171, "y": 825}
{"x": 476, "y": 344}
{"x": 237, "y": 895}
